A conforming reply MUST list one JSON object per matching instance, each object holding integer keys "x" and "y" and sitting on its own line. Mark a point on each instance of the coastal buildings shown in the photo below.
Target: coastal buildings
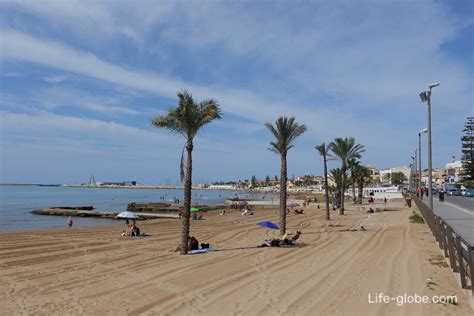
{"x": 452, "y": 171}
{"x": 386, "y": 174}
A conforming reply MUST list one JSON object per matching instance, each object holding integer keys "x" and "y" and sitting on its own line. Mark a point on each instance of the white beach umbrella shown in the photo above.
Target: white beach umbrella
{"x": 127, "y": 215}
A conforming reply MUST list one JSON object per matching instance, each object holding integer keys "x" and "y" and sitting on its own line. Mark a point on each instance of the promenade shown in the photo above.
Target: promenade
{"x": 458, "y": 212}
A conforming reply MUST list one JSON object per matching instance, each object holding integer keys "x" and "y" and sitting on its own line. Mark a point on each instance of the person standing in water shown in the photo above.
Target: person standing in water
{"x": 69, "y": 221}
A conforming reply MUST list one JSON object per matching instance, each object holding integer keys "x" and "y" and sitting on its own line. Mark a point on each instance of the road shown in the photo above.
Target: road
{"x": 461, "y": 201}
{"x": 458, "y": 212}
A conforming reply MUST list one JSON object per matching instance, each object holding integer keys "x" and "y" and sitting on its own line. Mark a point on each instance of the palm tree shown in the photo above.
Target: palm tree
{"x": 187, "y": 119}
{"x": 336, "y": 177}
{"x": 286, "y": 130}
{"x": 362, "y": 176}
{"x": 323, "y": 151}
{"x": 345, "y": 149}
{"x": 353, "y": 164}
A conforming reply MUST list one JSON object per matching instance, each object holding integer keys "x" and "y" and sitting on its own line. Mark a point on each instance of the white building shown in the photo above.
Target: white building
{"x": 452, "y": 171}
{"x": 386, "y": 174}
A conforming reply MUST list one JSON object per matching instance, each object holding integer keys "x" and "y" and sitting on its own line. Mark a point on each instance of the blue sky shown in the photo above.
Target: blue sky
{"x": 80, "y": 81}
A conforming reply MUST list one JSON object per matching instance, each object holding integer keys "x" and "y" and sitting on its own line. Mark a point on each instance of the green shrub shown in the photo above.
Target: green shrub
{"x": 416, "y": 218}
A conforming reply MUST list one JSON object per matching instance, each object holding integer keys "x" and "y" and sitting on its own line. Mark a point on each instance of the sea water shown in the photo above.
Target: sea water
{"x": 17, "y": 202}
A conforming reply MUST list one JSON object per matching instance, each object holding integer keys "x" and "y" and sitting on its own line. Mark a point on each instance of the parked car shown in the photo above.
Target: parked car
{"x": 453, "y": 192}
{"x": 469, "y": 192}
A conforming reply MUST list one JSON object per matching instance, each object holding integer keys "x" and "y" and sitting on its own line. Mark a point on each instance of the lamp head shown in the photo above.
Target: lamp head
{"x": 424, "y": 96}
{"x": 433, "y": 85}
{"x": 424, "y": 130}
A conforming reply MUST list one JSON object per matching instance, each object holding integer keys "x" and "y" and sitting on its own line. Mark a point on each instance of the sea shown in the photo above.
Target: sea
{"x": 17, "y": 202}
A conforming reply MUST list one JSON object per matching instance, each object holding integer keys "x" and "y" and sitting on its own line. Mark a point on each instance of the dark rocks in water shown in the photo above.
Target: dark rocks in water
{"x": 81, "y": 208}
{"x": 164, "y": 207}
{"x": 74, "y": 212}
{"x": 151, "y": 207}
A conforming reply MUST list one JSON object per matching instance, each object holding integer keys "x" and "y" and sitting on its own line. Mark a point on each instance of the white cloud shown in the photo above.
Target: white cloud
{"x": 55, "y": 79}
{"x": 345, "y": 69}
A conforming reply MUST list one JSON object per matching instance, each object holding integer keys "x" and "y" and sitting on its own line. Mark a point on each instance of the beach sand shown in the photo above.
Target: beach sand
{"x": 96, "y": 271}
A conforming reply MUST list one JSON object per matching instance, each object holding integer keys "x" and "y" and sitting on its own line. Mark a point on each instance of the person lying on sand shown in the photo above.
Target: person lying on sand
{"x": 299, "y": 211}
{"x": 281, "y": 243}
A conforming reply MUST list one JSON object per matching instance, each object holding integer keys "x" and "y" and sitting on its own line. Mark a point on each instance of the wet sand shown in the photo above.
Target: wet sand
{"x": 95, "y": 271}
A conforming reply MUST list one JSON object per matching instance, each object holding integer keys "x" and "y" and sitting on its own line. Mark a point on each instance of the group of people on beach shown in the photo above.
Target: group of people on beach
{"x": 132, "y": 229}
{"x": 295, "y": 211}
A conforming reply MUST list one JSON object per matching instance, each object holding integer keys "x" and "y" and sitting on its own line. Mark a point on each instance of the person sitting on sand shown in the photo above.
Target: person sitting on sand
{"x": 128, "y": 231}
{"x": 135, "y": 231}
{"x": 193, "y": 244}
{"x": 370, "y": 211}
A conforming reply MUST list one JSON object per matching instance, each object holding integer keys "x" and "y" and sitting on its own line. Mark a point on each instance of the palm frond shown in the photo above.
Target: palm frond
{"x": 285, "y": 131}
{"x": 274, "y": 147}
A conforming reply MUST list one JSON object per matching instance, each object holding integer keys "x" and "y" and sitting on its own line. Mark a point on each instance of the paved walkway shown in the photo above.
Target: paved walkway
{"x": 460, "y": 216}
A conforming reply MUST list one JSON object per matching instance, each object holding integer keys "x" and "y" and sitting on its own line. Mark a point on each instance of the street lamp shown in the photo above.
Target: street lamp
{"x": 423, "y": 131}
{"x": 413, "y": 159}
{"x": 426, "y": 96}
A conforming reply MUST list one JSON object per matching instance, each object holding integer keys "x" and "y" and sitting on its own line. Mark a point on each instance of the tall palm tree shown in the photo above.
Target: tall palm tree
{"x": 352, "y": 165}
{"x": 323, "y": 151}
{"x": 286, "y": 130}
{"x": 345, "y": 149}
{"x": 336, "y": 177}
{"x": 362, "y": 176}
{"x": 187, "y": 119}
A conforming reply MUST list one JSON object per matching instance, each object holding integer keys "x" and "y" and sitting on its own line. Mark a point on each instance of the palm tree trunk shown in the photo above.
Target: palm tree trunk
{"x": 353, "y": 190}
{"x": 343, "y": 188}
{"x": 326, "y": 187}
{"x": 283, "y": 194}
{"x": 187, "y": 199}
{"x": 361, "y": 188}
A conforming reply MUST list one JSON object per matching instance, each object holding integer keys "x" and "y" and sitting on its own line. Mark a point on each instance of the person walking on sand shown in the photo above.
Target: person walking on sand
{"x": 69, "y": 221}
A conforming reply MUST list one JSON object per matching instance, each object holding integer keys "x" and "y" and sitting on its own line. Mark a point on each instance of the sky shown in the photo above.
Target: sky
{"x": 81, "y": 80}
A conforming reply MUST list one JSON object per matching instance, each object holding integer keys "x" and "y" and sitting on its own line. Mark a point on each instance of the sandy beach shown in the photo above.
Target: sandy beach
{"x": 333, "y": 270}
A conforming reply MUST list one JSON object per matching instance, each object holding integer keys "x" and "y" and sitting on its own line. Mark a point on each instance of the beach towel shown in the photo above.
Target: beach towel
{"x": 192, "y": 252}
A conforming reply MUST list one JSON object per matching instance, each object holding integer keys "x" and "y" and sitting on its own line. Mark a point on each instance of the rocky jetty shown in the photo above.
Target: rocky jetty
{"x": 59, "y": 211}
{"x": 143, "y": 210}
{"x": 165, "y": 208}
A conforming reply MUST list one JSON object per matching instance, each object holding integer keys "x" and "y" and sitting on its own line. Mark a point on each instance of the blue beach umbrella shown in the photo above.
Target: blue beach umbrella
{"x": 267, "y": 224}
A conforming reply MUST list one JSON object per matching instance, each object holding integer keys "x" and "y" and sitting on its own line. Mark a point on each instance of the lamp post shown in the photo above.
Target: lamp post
{"x": 423, "y": 131}
{"x": 426, "y": 96}
{"x": 416, "y": 169}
